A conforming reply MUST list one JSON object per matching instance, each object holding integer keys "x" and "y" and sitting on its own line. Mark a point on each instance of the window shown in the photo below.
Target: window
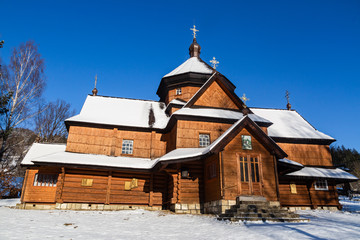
{"x": 252, "y": 166}
{"x": 178, "y": 91}
{"x": 244, "y": 169}
{"x": 204, "y": 140}
{"x": 211, "y": 170}
{"x": 255, "y": 169}
{"x": 127, "y": 147}
{"x": 45, "y": 180}
{"x": 321, "y": 184}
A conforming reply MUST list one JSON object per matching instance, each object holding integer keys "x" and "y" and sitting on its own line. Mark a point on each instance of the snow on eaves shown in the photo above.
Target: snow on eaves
{"x": 322, "y": 173}
{"x": 218, "y": 113}
{"x": 56, "y": 154}
{"x": 289, "y": 124}
{"x": 291, "y": 162}
{"x": 121, "y": 112}
{"x": 193, "y": 64}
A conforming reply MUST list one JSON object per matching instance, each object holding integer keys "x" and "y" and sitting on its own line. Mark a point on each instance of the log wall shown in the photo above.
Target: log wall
{"x": 38, "y": 194}
{"x": 215, "y": 97}
{"x": 188, "y": 132}
{"x": 107, "y": 188}
{"x": 232, "y": 185}
{"x": 306, "y": 195}
{"x": 186, "y": 94}
{"x": 104, "y": 141}
{"x": 212, "y": 188}
{"x": 308, "y": 154}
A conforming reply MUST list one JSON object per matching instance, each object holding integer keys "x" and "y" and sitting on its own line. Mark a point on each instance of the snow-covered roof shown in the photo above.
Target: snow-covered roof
{"x": 121, "y": 112}
{"x": 177, "y": 101}
{"x": 53, "y": 153}
{"x": 316, "y": 172}
{"x": 218, "y": 113}
{"x": 291, "y": 162}
{"x": 289, "y": 124}
{"x": 194, "y": 65}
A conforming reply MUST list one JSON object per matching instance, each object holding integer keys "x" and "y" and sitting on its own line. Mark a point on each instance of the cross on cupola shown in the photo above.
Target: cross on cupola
{"x": 214, "y": 62}
{"x": 95, "y": 91}
{"x": 194, "y": 30}
{"x": 287, "y": 96}
{"x": 244, "y": 99}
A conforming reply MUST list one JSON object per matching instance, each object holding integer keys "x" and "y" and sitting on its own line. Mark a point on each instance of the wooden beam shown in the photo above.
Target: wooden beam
{"x": 178, "y": 183}
{"x": 113, "y": 142}
{"x": 308, "y": 185}
{"x": 60, "y": 187}
{"x": 222, "y": 177}
{"x": 151, "y": 193}
{"x": 24, "y": 186}
{"x": 276, "y": 178}
{"x": 108, "y": 189}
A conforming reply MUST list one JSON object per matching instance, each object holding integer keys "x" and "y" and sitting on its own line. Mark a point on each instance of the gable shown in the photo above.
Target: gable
{"x": 246, "y": 125}
{"x": 213, "y": 91}
{"x": 215, "y": 96}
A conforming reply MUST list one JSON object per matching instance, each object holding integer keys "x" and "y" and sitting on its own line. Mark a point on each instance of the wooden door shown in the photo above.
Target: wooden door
{"x": 250, "y": 175}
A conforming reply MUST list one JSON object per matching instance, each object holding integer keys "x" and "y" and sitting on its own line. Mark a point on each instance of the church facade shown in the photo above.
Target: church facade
{"x": 193, "y": 151}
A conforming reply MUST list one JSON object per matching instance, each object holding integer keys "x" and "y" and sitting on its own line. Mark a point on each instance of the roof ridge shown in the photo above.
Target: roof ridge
{"x": 135, "y": 99}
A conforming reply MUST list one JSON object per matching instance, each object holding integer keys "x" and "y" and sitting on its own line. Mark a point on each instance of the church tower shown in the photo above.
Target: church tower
{"x": 185, "y": 80}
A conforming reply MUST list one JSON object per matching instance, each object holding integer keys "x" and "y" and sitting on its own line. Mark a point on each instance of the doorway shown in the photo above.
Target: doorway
{"x": 249, "y": 175}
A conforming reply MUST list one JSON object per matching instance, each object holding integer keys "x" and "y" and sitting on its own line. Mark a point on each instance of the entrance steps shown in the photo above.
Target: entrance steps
{"x": 257, "y": 208}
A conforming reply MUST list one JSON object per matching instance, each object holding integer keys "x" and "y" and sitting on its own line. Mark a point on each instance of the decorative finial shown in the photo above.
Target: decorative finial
{"x": 214, "y": 62}
{"x": 95, "y": 91}
{"x": 244, "y": 99}
{"x": 194, "y": 30}
{"x": 287, "y": 96}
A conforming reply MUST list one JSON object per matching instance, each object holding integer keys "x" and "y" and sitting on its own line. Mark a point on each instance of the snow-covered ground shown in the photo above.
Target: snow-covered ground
{"x": 139, "y": 224}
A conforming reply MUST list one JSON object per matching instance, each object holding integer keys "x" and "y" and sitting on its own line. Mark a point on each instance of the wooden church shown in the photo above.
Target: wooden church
{"x": 194, "y": 151}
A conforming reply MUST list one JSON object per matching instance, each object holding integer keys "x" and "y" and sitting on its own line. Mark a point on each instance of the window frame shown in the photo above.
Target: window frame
{"x": 321, "y": 185}
{"x": 45, "y": 180}
{"x": 178, "y": 91}
{"x": 204, "y": 134}
{"x": 124, "y": 150}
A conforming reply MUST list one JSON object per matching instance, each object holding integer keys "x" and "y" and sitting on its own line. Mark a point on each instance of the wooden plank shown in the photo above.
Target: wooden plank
{"x": 108, "y": 190}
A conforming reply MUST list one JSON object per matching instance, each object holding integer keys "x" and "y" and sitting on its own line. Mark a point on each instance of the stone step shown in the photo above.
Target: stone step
{"x": 256, "y": 208}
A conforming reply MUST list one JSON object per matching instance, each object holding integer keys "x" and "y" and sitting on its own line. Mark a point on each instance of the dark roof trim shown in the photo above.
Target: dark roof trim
{"x": 256, "y": 131}
{"x": 303, "y": 140}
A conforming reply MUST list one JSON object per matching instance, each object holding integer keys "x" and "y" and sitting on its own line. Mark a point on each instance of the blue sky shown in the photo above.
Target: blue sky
{"x": 311, "y": 48}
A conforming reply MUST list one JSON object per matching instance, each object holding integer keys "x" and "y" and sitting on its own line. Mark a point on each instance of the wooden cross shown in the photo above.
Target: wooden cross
{"x": 194, "y": 31}
{"x": 244, "y": 98}
{"x": 214, "y": 62}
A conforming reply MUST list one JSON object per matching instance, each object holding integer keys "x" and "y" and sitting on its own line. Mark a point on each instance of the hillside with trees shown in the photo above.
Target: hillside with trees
{"x": 348, "y": 158}
{"x": 25, "y": 117}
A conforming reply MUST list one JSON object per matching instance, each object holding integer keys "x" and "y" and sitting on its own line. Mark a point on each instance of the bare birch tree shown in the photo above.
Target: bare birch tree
{"x": 24, "y": 80}
{"x": 49, "y": 123}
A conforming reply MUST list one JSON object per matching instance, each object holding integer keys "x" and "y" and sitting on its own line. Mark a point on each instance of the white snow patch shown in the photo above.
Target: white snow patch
{"x": 140, "y": 224}
{"x": 288, "y": 161}
{"x": 121, "y": 112}
{"x": 193, "y": 64}
{"x": 289, "y": 124}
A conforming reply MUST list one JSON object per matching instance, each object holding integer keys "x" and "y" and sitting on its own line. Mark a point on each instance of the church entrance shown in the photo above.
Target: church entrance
{"x": 250, "y": 175}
